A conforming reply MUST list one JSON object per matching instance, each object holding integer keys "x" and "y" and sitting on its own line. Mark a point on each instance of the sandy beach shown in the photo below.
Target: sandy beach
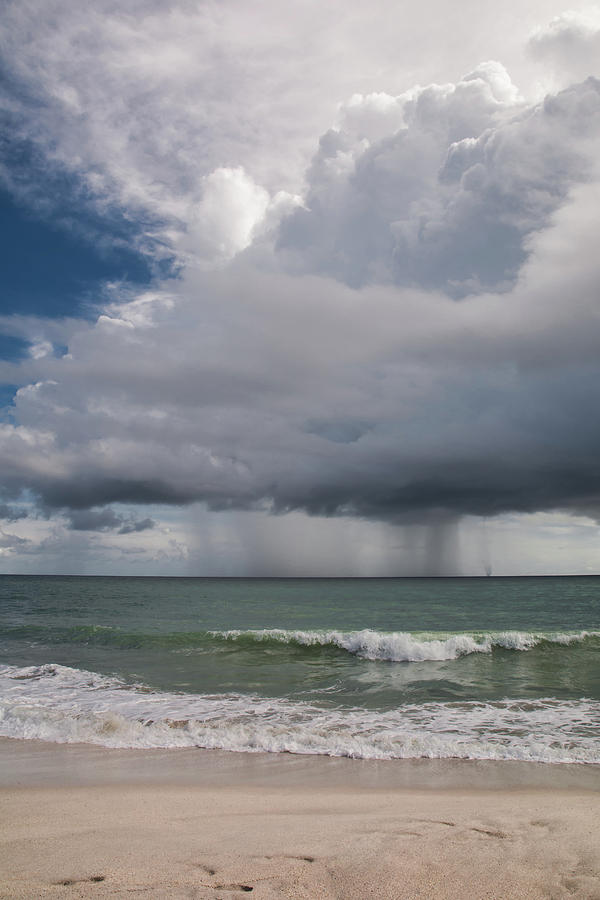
{"x": 81, "y": 821}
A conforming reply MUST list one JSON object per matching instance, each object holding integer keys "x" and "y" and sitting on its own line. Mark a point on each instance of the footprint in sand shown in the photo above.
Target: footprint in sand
{"x": 67, "y": 881}
{"x": 490, "y": 832}
{"x": 232, "y": 887}
{"x": 208, "y": 869}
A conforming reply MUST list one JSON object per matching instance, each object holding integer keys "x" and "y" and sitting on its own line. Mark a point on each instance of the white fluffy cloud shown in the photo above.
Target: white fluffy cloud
{"x": 230, "y": 208}
{"x": 131, "y": 108}
{"x": 569, "y": 44}
{"x": 446, "y": 196}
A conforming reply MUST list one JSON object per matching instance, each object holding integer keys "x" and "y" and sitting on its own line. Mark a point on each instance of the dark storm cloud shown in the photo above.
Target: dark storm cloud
{"x": 93, "y": 520}
{"x": 247, "y": 390}
{"x": 106, "y": 520}
{"x": 12, "y": 513}
{"x": 135, "y": 526}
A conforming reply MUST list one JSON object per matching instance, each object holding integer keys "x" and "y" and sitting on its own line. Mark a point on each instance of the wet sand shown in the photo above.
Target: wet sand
{"x": 82, "y": 821}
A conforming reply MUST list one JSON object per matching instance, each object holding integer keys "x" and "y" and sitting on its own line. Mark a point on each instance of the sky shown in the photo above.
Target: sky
{"x": 299, "y": 289}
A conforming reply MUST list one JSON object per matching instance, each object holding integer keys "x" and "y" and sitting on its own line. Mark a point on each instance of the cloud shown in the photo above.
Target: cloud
{"x": 135, "y": 526}
{"x": 263, "y": 390}
{"x": 124, "y": 113}
{"x": 224, "y": 220}
{"x": 415, "y": 342}
{"x": 446, "y": 197}
{"x": 140, "y": 113}
{"x": 11, "y": 543}
{"x": 107, "y": 520}
{"x": 12, "y": 513}
{"x": 570, "y": 44}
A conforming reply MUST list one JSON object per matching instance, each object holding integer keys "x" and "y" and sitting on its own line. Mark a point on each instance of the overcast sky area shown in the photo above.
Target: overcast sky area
{"x": 300, "y": 288}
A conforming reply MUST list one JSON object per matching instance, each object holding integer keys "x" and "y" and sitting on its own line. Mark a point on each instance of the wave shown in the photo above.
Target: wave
{"x": 65, "y": 705}
{"x": 366, "y": 643}
{"x": 407, "y": 647}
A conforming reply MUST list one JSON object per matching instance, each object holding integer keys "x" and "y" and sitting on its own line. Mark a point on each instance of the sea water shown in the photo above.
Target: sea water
{"x": 482, "y": 668}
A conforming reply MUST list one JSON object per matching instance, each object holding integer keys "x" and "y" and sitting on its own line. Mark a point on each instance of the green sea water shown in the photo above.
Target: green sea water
{"x": 501, "y": 667}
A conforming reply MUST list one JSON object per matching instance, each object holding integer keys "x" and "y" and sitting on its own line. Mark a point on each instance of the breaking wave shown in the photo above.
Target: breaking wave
{"x": 367, "y": 643}
{"x": 66, "y": 705}
{"x": 407, "y": 647}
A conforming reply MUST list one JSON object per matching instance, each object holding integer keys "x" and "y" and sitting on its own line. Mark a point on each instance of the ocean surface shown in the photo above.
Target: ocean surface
{"x": 482, "y": 668}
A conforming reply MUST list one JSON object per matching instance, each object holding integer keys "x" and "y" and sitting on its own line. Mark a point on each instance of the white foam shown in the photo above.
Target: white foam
{"x": 56, "y": 703}
{"x": 400, "y": 646}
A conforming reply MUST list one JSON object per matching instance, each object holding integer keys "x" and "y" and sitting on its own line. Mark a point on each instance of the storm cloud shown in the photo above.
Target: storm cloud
{"x": 263, "y": 390}
{"x": 106, "y": 520}
{"x": 407, "y": 333}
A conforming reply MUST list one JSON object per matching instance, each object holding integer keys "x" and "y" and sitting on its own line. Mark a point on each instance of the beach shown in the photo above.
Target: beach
{"x": 83, "y": 821}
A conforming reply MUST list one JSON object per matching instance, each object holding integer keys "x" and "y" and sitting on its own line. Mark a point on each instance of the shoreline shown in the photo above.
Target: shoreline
{"x": 85, "y": 821}
{"x": 45, "y": 764}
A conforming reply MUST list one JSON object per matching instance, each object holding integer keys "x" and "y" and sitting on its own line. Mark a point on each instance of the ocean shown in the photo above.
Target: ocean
{"x": 382, "y": 668}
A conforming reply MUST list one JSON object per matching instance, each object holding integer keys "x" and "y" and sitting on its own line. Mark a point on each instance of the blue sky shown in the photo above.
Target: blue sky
{"x": 305, "y": 291}
{"x": 50, "y": 269}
